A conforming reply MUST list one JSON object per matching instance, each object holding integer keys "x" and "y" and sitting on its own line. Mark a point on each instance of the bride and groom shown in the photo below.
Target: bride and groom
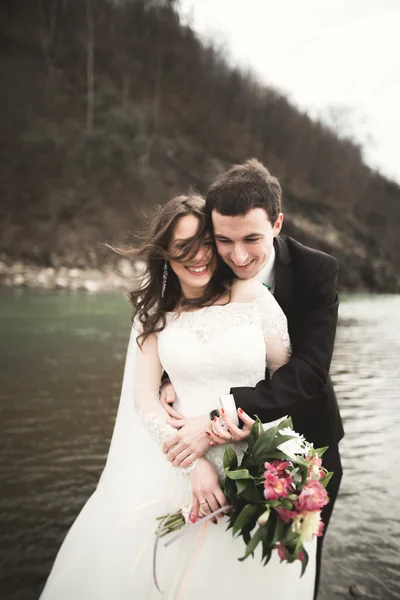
{"x": 228, "y": 343}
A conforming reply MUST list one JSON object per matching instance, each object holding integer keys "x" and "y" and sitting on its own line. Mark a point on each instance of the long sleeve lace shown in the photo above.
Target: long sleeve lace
{"x": 147, "y": 380}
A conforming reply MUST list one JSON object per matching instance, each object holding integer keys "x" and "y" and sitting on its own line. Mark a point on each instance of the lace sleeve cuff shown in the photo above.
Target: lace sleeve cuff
{"x": 160, "y": 431}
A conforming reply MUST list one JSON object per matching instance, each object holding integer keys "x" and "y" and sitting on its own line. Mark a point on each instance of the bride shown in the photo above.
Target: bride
{"x": 209, "y": 332}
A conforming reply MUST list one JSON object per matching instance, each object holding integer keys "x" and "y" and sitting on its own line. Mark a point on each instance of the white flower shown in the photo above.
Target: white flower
{"x": 297, "y": 445}
{"x": 314, "y": 473}
{"x": 291, "y": 432}
{"x": 307, "y": 526}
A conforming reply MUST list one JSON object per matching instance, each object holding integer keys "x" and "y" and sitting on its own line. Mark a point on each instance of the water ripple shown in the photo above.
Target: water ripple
{"x": 57, "y": 417}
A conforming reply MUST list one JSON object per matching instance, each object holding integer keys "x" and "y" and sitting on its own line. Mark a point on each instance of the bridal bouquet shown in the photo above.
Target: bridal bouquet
{"x": 276, "y": 493}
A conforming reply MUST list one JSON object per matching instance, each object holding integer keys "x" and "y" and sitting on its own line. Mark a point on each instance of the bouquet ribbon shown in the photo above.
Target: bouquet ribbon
{"x": 181, "y": 533}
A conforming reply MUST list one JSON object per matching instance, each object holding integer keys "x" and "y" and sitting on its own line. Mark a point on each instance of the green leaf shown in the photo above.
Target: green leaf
{"x": 246, "y": 536}
{"x": 269, "y": 530}
{"x": 267, "y": 556}
{"x": 246, "y": 460}
{"x": 280, "y": 439}
{"x": 245, "y": 517}
{"x": 239, "y": 474}
{"x": 279, "y": 532}
{"x": 230, "y": 459}
{"x": 267, "y": 534}
{"x": 286, "y": 423}
{"x": 253, "y": 543}
{"x": 228, "y": 487}
{"x": 278, "y": 454}
{"x": 301, "y": 461}
{"x": 263, "y": 519}
{"x": 299, "y": 545}
{"x": 286, "y": 503}
{"x": 264, "y": 444}
{"x": 251, "y": 493}
{"x": 255, "y": 432}
{"x": 242, "y": 485}
{"x": 304, "y": 562}
{"x": 321, "y": 451}
{"x": 326, "y": 479}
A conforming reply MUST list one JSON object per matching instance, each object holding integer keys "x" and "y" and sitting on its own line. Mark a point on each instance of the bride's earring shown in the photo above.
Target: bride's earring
{"x": 164, "y": 279}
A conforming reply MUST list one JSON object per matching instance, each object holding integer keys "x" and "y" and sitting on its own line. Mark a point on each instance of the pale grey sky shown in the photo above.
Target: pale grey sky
{"x": 320, "y": 53}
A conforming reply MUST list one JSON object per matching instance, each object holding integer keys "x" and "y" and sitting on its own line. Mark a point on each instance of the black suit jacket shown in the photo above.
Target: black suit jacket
{"x": 305, "y": 287}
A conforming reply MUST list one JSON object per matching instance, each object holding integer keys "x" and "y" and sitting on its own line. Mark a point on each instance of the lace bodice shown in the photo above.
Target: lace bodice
{"x": 208, "y": 351}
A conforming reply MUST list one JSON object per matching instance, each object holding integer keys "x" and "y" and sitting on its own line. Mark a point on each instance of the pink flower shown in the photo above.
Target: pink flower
{"x": 286, "y": 515}
{"x": 280, "y": 546}
{"x": 278, "y": 483}
{"x": 315, "y": 460}
{"x": 278, "y": 466}
{"x": 313, "y": 496}
{"x": 315, "y": 470}
{"x": 276, "y": 487}
{"x": 320, "y": 531}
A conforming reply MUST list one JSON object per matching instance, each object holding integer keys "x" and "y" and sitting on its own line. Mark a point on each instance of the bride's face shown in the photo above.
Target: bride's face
{"x": 194, "y": 272}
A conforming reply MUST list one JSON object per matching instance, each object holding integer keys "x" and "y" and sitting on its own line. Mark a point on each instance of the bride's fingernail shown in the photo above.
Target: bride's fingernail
{"x": 240, "y": 410}
{"x": 222, "y": 410}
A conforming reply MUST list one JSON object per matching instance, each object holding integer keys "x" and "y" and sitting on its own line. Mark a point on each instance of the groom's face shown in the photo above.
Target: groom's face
{"x": 245, "y": 241}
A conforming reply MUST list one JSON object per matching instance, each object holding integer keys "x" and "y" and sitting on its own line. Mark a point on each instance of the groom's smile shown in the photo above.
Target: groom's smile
{"x": 245, "y": 241}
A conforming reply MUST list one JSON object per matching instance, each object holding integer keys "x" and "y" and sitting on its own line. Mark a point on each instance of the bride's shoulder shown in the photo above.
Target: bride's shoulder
{"x": 248, "y": 290}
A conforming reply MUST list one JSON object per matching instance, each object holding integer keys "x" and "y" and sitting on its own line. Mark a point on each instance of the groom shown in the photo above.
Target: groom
{"x": 245, "y": 207}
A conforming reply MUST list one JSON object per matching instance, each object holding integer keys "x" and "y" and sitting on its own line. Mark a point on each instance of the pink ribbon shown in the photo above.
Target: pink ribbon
{"x": 180, "y": 534}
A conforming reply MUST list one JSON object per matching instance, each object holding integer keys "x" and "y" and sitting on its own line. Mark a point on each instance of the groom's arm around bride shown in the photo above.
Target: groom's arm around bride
{"x": 245, "y": 206}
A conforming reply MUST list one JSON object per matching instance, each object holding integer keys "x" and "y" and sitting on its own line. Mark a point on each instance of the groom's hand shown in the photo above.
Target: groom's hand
{"x": 167, "y": 398}
{"x": 191, "y": 441}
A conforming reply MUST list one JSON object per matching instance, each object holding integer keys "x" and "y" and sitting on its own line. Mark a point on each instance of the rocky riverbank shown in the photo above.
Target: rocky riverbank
{"x": 120, "y": 277}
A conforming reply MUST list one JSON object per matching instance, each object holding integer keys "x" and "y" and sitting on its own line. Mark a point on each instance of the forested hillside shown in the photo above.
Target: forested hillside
{"x": 107, "y": 108}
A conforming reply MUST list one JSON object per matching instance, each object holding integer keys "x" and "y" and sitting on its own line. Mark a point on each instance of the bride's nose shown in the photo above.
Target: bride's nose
{"x": 200, "y": 254}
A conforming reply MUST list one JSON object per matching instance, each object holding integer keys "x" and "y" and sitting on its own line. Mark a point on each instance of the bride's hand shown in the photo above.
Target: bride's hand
{"x": 207, "y": 495}
{"x": 229, "y": 432}
{"x": 190, "y": 441}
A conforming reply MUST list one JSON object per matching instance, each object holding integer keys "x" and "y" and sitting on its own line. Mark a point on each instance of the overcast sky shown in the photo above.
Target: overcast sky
{"x": 322, "y": 54}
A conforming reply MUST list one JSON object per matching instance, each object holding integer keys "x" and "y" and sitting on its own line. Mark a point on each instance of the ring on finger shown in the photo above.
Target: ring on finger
{"x": 201, "y": 504}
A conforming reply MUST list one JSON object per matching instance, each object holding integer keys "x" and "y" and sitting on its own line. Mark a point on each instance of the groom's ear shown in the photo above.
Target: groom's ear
{"x": 278, "y": 224}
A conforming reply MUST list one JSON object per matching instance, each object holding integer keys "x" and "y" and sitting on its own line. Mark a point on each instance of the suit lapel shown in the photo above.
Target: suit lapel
{"x": 283, "y": 275}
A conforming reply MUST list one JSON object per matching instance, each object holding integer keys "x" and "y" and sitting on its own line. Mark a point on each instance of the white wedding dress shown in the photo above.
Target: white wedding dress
{"x": 108, "y": 552}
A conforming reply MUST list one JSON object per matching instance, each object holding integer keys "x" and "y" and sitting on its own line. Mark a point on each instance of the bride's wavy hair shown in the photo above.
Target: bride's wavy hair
{"x": 149, "y": 305}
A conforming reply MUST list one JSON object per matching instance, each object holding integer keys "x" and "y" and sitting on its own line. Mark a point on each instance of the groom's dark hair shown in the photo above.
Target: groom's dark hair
{"x": 244, "y": 187}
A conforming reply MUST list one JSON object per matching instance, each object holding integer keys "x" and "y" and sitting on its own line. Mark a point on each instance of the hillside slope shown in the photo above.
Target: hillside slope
{"x": 108, "y": 109}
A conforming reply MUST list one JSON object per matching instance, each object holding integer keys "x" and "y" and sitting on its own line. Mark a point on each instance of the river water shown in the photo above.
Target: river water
{"x": 62, "y": 356}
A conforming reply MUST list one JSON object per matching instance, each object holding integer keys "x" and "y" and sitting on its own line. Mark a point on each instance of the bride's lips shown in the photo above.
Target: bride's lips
{"x": 198, "y": 271}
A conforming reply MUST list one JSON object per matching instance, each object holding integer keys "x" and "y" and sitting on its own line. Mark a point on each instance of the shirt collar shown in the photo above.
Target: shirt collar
{"x": 267, "y": 273}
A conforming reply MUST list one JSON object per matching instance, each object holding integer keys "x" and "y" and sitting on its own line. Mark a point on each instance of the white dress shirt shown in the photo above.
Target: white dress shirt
{"x": 267, "y": 273}
{"x": 267, "y": 276}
